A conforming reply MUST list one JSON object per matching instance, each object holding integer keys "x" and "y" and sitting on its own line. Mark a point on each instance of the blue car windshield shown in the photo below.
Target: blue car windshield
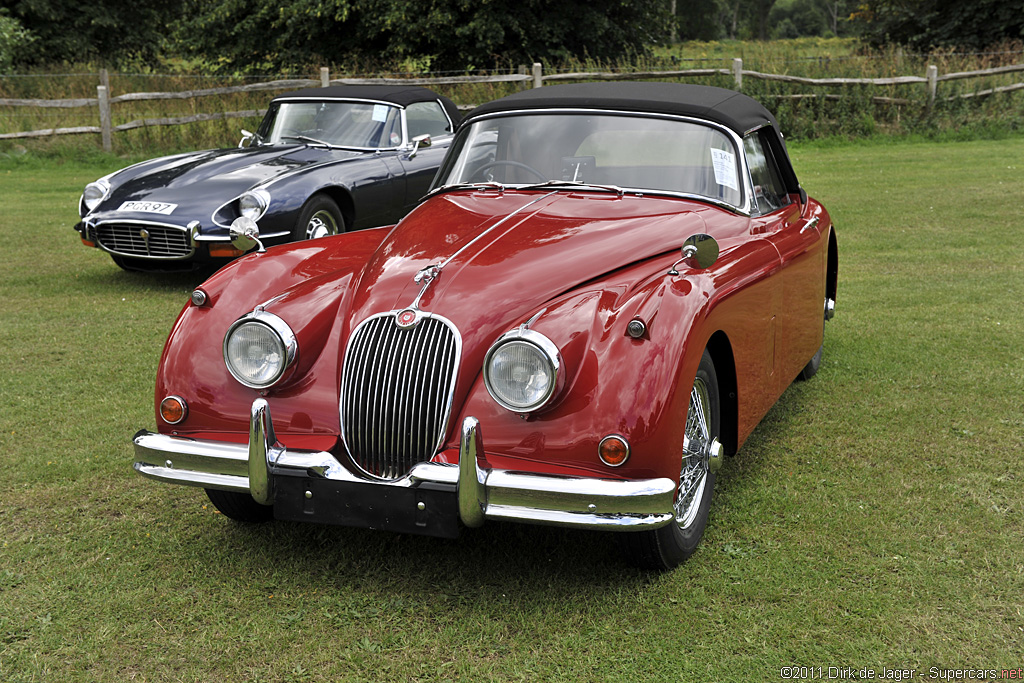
{"x": 359, "y": 125}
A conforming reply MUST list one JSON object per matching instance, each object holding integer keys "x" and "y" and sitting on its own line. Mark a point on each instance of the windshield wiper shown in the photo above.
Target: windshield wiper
{"x": 484, "y": 185}
{"x": 306, "y": 138}
{"x": 573, "y": 184}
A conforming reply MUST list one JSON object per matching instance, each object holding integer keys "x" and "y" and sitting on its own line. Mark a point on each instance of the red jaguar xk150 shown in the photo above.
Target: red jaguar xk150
{"x": 607, "y": 288}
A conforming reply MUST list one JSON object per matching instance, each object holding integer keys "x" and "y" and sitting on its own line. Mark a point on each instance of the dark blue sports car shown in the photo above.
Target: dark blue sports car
{"x": 323, "y": 161}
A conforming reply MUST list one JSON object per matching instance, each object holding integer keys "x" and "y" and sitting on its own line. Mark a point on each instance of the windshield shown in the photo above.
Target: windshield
{"x": 338, "y": 124}
{"x": 631, "y": 152}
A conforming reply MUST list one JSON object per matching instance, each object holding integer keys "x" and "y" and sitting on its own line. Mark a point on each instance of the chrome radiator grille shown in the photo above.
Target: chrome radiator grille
{"x": 396, "y": 392}
{"x": 134, "y": 239}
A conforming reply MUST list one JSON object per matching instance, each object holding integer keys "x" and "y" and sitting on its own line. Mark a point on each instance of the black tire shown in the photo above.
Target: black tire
{"x": 811, "y": 369}
{"x": 669, "y": 546}
{"x": 240, "y": 506}
{"x": 319, "y": 217}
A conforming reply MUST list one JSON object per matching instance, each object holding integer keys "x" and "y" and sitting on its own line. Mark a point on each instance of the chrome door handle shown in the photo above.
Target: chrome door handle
{"x": 813, "y": 223}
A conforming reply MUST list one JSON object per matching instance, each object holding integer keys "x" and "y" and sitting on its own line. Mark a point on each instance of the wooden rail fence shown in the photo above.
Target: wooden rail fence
{"x": 535, "y": 78}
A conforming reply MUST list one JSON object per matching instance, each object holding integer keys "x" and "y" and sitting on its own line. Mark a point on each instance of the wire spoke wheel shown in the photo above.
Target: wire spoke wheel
{"x": 669, "y": 546}
{"x": 321, "y": 224}
{"x": 320, "y": 217}
{"x": 694, "y": 474}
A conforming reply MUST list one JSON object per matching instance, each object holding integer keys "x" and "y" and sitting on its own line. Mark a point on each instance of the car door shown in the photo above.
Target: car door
{"x": 424, "y": 118}
{"x": 780, "y": 220}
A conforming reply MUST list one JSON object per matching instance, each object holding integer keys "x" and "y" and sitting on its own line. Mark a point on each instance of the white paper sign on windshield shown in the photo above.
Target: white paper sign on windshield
{"x": 725, "y": 168}
{"x": 380, "y": 112}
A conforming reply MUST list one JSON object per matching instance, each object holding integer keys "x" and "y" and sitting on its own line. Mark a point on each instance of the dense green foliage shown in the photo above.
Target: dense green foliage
{"x": 761, "y": 19}
{"x": 65, "y": 31}
{"x": 14, "y": 40}
{"x": 456, "y": 34}
{"x": 926, "y": 24}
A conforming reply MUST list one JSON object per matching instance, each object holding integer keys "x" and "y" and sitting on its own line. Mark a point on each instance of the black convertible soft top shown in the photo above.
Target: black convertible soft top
{"x": 402, "y": 95}
{"x": 728, "y": 108}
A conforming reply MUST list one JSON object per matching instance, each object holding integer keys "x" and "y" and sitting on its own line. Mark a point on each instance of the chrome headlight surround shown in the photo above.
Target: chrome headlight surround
{"x": 523, "y": 371}
{"x": 253, "y": 204}
{"x": 259, "y": 348}
{"x": 93, "y": 194}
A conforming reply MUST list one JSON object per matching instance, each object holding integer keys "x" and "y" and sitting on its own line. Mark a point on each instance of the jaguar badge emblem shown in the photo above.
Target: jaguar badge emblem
{"x": 407, "y": 318}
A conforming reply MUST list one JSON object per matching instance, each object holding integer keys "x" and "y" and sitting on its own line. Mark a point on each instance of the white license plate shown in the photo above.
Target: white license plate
{"x": 149, "y": 207}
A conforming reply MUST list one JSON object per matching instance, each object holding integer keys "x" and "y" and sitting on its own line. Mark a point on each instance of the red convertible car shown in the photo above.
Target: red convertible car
{"x": 607, "y": 288}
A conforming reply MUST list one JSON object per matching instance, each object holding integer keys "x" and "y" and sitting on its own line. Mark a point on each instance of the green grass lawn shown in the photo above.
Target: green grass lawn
{"x": 873, "y": 520}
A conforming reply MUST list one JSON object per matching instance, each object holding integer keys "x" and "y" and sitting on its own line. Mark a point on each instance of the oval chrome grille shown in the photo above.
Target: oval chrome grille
{"x": 396, "y": 392}
{"x": 143, "y": 239}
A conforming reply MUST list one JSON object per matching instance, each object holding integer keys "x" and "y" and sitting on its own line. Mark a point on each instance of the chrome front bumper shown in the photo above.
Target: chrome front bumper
{"x": 481, "y": 494}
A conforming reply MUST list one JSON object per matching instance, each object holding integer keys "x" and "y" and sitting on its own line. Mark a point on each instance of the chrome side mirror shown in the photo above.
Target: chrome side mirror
{"x": 700, "y": 250}
{"x": 418, "y": 142}
{"x": 245, "y": 234}
{"x": 246, "y": 138}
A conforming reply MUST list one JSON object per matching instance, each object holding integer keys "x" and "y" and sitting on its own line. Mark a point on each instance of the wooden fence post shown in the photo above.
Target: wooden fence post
{"x": 325, "y": 77}
{"x": 105, "y": 79}
{"x": 538, "y": 71}
{"x": 737, "y": 72}
{"x": 933, "y": 83}
{"x": 522, "y": 72}
{"x": 104, "y": 103}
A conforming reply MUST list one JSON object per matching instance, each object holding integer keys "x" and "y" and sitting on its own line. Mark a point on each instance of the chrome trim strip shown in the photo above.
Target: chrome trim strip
{"x": 256, "y": 190}
{"x": 583, "y": 502}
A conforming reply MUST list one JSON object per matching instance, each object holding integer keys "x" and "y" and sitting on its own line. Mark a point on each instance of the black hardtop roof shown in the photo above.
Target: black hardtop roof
{"x": 726, "y": 107}
{"x": 402, "y": 95}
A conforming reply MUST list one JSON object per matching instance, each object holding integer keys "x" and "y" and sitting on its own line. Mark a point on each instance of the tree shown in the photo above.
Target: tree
{"x": 925, "y": 24}
{"x": 68, "y": 31}
{"x": 798, "y": 18}
{"x": 700, "y": 19}
{"x": 447, "y": 34}
{"x": 14, "y": 39}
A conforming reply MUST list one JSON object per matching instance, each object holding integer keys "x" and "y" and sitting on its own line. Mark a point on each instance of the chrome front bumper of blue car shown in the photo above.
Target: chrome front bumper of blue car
{"x": 433, "y": 498}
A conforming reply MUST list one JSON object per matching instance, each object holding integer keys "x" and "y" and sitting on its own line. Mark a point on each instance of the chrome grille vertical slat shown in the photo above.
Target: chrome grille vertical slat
{"x": 396, "y": 394}
{"x": 162, "y": 241}
{"x": 403, "y": 379}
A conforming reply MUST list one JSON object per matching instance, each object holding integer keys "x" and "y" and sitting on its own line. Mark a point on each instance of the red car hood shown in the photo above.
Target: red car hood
{"x": 503, "y": 255}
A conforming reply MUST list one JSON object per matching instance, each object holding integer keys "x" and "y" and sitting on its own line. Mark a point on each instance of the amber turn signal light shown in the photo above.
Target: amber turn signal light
{"x": 613, "y": 450}
{"x": 224, "y": 251}
{"x": 173, "y": 409}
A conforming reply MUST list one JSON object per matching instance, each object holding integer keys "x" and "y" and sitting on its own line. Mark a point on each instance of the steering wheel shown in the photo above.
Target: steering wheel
{"x": 514, "y": 164}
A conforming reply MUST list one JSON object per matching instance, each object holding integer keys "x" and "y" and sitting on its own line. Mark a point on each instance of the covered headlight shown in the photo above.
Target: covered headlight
{"x": 253, "y": 204}
{"x": 258, "y": 348}
{"x": 522, "y": 371}
{"x": 94, "y": 194}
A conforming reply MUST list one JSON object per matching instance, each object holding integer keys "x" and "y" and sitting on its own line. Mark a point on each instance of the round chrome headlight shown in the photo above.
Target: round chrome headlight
{"x": 258, "y": 348}
{"x": 94, "y": 194}
{"x": 253, "y": 204}
{"x": 521, "y": 371}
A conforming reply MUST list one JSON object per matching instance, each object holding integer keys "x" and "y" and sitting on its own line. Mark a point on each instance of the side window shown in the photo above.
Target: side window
{"x": 769, "y": 191}
{"x": 427, "y": 118}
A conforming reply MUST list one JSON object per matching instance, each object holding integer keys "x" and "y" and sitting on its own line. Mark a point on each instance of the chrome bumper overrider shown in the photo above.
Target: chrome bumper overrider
{"x": 481, "y": 493}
